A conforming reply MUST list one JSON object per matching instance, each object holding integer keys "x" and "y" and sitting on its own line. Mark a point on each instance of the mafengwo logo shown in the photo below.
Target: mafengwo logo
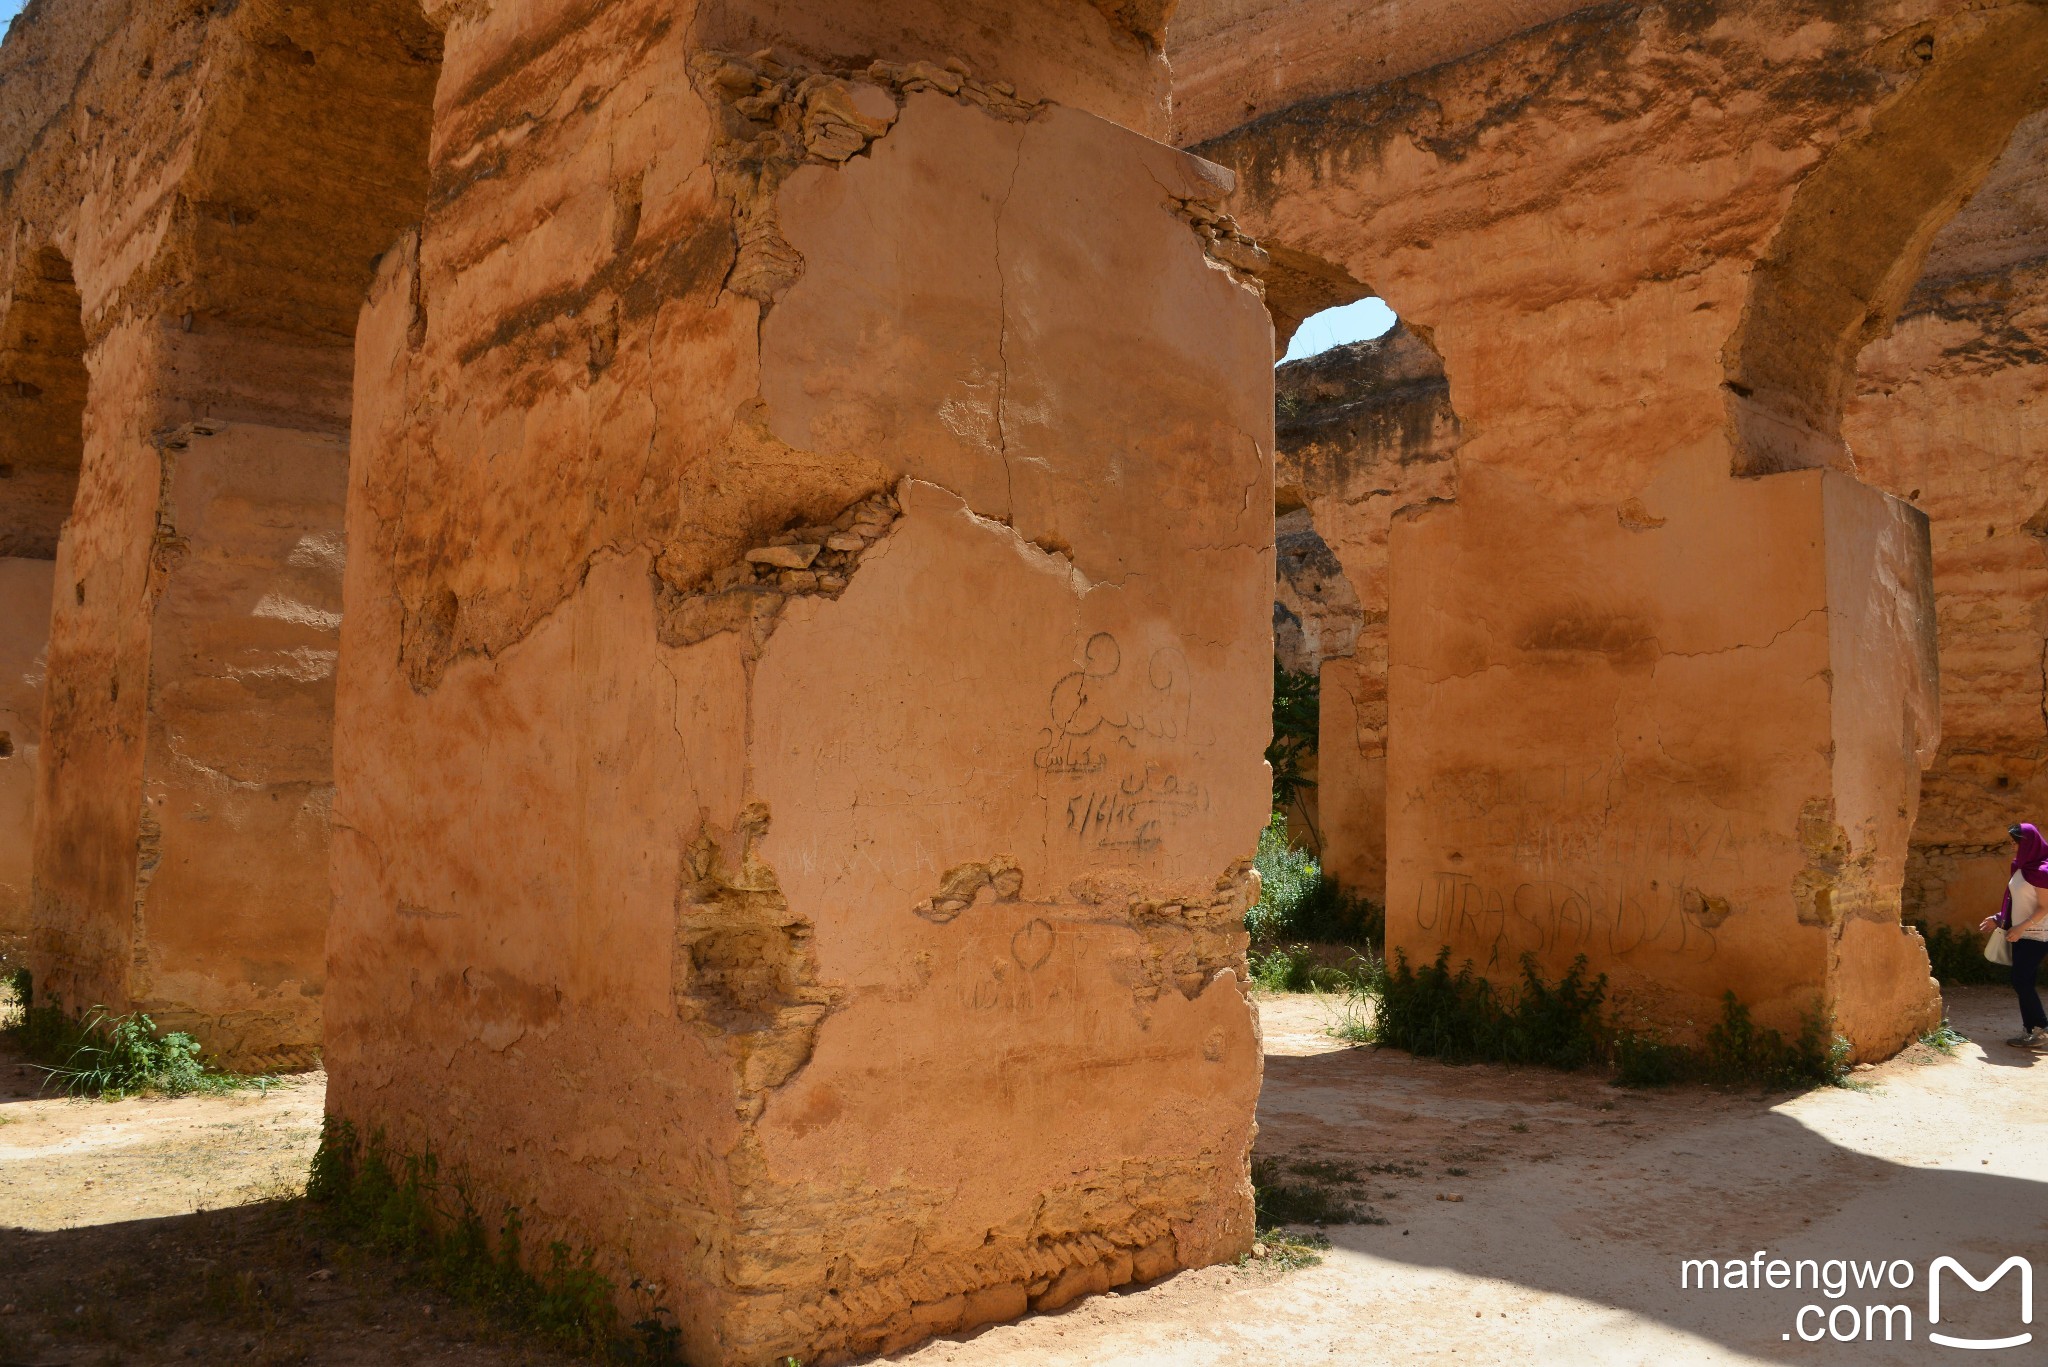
{"x": 1866, "y": 1301}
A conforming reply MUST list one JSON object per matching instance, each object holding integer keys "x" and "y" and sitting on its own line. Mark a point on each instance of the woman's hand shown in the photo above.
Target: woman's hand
{"x": 1987, "y": 923}
{"x": 2012, "y": 936}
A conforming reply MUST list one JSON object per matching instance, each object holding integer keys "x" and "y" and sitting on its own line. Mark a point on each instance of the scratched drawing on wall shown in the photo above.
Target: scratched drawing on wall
{"x": 1584, "y": 882}
{"x": 1113, "y": 746}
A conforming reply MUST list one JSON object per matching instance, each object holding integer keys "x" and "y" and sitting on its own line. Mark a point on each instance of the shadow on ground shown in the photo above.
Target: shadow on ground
{"x": 1569, "y": 1188}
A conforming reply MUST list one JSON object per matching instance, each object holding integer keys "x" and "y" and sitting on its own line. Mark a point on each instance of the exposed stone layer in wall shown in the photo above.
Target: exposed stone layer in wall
{"x": 1234, "y": 60}
{"x": 806, "y": 699}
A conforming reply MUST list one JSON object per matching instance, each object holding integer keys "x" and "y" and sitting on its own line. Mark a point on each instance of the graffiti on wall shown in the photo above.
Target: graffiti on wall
{"x": 1589, "y": 878}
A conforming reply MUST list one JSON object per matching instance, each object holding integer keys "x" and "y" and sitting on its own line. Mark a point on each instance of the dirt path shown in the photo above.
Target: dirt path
{"x": 1576, "y": 1203}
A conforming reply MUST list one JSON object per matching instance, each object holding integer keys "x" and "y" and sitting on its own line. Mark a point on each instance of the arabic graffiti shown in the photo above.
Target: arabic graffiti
{"x": 1111, "y": 754}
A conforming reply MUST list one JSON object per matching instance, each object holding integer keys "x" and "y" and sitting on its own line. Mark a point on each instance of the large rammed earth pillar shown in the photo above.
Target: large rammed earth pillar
{"x": 804, "y": 673}
{"x": 1684, "y": 743}
{"x": 181, "y": 815}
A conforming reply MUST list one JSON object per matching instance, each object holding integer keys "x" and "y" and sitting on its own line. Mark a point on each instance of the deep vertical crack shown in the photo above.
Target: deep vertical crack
{"x": 1003, "y": 339}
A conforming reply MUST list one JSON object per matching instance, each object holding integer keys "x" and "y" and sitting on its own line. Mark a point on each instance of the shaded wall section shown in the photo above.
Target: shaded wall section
{"x": 24, "y": 637}
{"x": 42, "y": 403}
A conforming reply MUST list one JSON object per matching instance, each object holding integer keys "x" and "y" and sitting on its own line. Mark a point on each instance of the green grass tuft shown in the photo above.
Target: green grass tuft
{"x": 1944, "y": 1038}
{"x": 1461, "y": 1017}
{"x": 111, "y": 1057}
{"x": 401, "y": 1205}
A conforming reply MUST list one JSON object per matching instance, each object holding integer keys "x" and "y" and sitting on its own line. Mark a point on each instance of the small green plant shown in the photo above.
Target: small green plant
{"x": 1298, "y": 904}
{"x": 109, "y": 1056}
{"x": 1944, "y": 1038}
{"x": 1737, "y": 1053}
{"x": 401, "y": 1204}
{"x": 1297, "y": 968}
{"x": 1285, "y": 1251}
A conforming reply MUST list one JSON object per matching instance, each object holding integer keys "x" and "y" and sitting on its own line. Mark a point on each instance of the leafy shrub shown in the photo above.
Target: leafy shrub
{"x": 1297, "y": 716}
{"x": 112, "y": 1056}
{"x": 1298, "y": 904}
{"x": 1461, "y": 1017}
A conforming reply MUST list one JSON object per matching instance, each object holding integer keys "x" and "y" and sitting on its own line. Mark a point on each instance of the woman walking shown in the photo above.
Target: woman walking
{"x": 2024, "y": 921}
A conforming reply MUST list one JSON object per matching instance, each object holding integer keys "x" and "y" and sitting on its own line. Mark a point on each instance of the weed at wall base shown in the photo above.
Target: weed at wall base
{"x": 1461, "y": 1017}
{"x": 110, "y": 1056}
{"x": 401, "y": 1205}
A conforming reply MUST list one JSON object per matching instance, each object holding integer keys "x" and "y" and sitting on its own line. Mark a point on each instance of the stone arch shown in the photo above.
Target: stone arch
{"x": 185, "y": 780}
{"x": 1362, "y": 432}
{"x": 1859, "y": 227}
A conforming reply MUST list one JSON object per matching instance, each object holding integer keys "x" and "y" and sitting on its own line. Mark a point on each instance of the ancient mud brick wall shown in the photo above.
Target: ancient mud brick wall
{"x": 1622, "y": 722}
{"x": 216, "y": 183}
{"x": 1952, "y": 413}
{"x": 1364, "y": 431}
{"x": 805, "y": 663}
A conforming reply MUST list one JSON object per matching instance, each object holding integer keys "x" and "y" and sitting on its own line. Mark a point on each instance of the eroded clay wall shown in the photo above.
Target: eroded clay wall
{"x": 1950, "y": 414}
{"x": 1610, "y": 645}
{"x": 263, "y": 155}
{"x": 806, "y": 701}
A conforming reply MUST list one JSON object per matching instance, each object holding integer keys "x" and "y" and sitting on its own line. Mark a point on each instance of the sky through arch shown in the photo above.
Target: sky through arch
{"x": 1359, "y": 321}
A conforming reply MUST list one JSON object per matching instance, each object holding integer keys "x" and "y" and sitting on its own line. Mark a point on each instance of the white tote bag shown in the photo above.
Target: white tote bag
{"x": 1998, "y": 949}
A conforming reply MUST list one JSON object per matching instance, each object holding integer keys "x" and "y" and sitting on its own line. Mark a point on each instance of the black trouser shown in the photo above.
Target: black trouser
{"x": 2026, "y": 966}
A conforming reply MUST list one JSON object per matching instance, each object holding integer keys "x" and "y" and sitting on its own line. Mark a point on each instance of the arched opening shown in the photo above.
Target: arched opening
{"x": 42, "y": 404}
{"x": 1364, "y": 428}
{"x": 1362, "y": 320}
{"x": 1859, "y": 229}
{"x": 42, "y": 410}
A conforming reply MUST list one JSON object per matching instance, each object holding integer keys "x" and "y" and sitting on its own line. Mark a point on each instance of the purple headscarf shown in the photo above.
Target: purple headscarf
{"x": 2030, "y": 861}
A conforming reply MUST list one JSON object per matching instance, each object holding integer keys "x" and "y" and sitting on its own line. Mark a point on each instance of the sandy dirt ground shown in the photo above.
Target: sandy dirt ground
{"x": 1530, "y": 1217}
{"x": 155, "y": 1231}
